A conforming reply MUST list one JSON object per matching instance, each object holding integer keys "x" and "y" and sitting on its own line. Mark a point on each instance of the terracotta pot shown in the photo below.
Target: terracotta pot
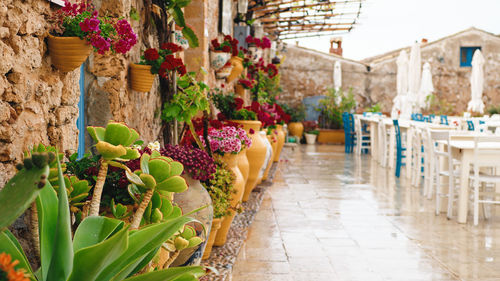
{"x": 239, "y": 187}
{"x": 243, "y": 164}
{"x": 331, "y": 136}
{"x": 216, "y": 223}
{"x": 218, "y": 59}
{"x": 281, "y": 142}
{"x": 239, "y": 90}
{"x": 237, "y": 64}
{"x": 68, "y": 53}
{"x": 141, "y": 78}
{"x": 296, "y": 129}
{"x": 256, "y": 154}
{"x": 270, "y": 161}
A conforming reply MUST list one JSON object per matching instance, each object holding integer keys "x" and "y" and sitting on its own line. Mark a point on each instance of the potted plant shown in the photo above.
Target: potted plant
{"x": 155, "y": 61}
{"x": 231, "y": 108}
{"x": 114, "y": 249}
{"x": 78, "y": 27}
{"x": 220, "y": 53}
{"x": 311, "y": 136}
{"x": 227, "y": 142}
{"x": 331, "y": 109}
{"x": 220, "y": 188}
{"x": 297, "y": 115}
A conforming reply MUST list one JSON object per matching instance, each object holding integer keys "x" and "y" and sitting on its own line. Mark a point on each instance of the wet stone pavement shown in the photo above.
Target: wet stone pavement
{"x": 332, "y": 216}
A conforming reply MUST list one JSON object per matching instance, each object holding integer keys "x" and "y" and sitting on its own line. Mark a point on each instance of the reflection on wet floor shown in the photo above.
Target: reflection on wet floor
{"x": 332, "y": 216}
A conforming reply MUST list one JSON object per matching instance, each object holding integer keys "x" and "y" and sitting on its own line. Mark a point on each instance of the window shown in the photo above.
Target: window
{"x": 466, "y": 54}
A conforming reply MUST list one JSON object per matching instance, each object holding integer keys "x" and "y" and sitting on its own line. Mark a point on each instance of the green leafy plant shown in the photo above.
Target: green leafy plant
{"x": 100, "y": 249}
{"x": 220, "y": 188}
{"x": 438, "y": 106}
{"x": 374, "y": 108}
{"x": 297, "y": 113}
{"x": 493, "y": 110}
{"x": 313, "y": 132}
{"x": 187, "y": 102}
{"x": 332, "y": 107}
{"x": 174, "y": 8}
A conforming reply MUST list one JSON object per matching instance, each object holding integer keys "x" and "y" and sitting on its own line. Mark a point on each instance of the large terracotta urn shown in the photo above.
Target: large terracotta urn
{"x": 273, "y": 145}
{"x": 281, "y": 142}
{"x": 270, "y": 153}
{"x": 68, "y": 53}
{"x": 237, "y": 64}
{"x": 216, "y": 223}
{"x": 296, "y": 129}
{"x": 256, "y": 154}
{"x": 238, "y": 187}
{"x": 243, "y": 164}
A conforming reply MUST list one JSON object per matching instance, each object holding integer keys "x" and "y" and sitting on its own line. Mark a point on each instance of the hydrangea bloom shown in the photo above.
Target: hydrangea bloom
{"x": 227, "y": 139}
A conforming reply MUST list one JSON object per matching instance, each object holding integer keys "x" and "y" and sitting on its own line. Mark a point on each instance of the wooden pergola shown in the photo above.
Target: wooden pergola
{"x": 288, "y": 19}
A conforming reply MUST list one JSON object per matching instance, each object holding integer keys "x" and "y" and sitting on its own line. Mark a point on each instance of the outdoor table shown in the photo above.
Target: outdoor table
{"x": 463, "y": 150}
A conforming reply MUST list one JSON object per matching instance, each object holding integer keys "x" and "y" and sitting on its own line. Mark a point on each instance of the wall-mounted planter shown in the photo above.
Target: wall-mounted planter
{"x": 68, "y": 53}
{"x": 141, "y": 78}
{"x": 218, "y": 59}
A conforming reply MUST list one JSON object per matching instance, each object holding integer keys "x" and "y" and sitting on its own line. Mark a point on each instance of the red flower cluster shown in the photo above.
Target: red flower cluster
{"x": 271, "y": 70}
{"x": 246, "y": 83}
{"x": 163, "y": 60}
{"x": 229, "y": 45}
{"x": 263, "y": 43}
{"x": 218, "y": 123}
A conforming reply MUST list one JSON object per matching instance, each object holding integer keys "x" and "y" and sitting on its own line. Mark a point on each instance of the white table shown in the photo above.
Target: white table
{"x": 464, "y": 150}
{"x": 372, "y": 121}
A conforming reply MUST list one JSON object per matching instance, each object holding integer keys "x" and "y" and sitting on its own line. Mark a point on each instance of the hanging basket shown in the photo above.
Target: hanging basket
{"x": 218, "y": 59}
{"x": 141, "y": 78}
{"x": 68, "y": 53}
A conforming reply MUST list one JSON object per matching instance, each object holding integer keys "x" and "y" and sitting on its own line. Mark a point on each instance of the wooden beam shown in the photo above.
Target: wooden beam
{"x": 278, "y": 4}
{"x": 265, "y": 21}
{"x": 301, "y": 25}
{"x": 284, "y": 32}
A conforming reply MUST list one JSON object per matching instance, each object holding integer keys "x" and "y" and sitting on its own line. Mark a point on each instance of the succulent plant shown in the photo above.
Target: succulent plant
{"x": 114, "y": 144}
{"x": 157, "y": 173}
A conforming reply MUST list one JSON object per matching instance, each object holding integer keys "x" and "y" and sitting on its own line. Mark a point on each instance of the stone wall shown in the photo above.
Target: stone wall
{"x": 307, "y": 73}
{"x": 451, "y": 82}
{"x": 38, "y": 103}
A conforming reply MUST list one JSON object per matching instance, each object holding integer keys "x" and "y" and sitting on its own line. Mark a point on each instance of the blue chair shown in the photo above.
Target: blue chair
{"x": 431, "y": 117}
{"x": 352, "y": 132}
{"x": 419, "y": 117}
{"x": 444, "y": 120}
{"x": 399, "y": 149}
{"x": 345, "y": 121}
{"x": 470, "y": 125}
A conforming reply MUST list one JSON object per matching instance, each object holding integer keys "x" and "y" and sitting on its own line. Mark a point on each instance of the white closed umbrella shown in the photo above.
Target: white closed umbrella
{"x": 337, "y": 79}
{"x": 476, "y": 83}
{"x": 401, "y": 83}
{"x": 426, "y": 87}
{"x": 414, "y": 71}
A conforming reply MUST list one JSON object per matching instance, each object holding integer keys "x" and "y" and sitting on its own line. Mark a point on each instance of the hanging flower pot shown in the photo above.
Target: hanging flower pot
{"x": 141, "y": 78}
{"x": 237, "y": 64}
{"x": 68, "y": 53}
{"x": 180, "y": 40}
{"x": 218, "y": 59}
{"x": 224, "y": 72}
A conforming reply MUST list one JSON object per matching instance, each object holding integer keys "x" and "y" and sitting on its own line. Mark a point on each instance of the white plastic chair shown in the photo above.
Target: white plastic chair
{"x": 484, "y": 157}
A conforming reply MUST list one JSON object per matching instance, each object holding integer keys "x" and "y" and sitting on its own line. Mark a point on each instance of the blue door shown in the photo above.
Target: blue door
{"x": 80, "y": 122}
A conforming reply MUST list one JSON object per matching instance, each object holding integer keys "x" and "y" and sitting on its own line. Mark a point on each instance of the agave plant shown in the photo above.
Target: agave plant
{"x": 101, "y": 248}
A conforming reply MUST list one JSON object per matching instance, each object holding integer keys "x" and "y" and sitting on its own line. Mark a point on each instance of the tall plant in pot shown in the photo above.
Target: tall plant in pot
{"x": 297, "y": 115}
{"x": 331, "y": 109}
{"x": 77, "y": 28}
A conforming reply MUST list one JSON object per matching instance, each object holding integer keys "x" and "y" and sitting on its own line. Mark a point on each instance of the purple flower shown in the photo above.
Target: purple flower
{"x": 102, "y": 45}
